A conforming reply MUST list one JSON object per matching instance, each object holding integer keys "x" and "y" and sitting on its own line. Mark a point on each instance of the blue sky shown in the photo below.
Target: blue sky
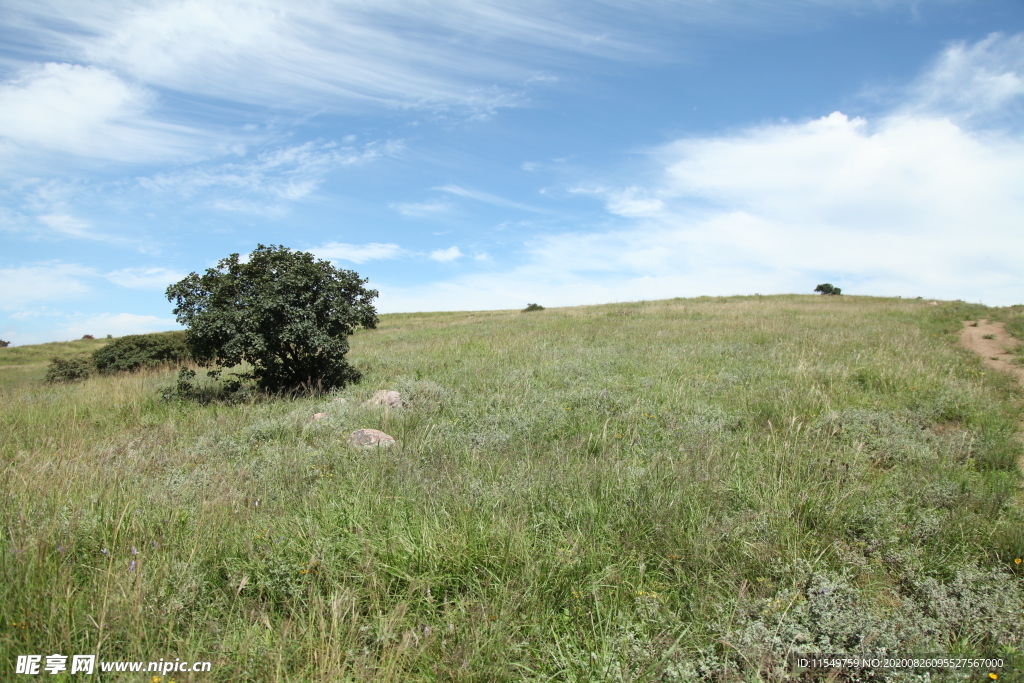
{"x": 483, "y": 155}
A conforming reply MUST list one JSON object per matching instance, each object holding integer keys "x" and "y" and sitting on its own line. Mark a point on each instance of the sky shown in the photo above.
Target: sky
{"x": 486, "y": 154}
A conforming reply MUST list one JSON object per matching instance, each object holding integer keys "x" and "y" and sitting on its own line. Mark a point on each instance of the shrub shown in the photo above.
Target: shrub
{"x": 285, "y": 313}
{"x": 135, "y": 351}
{"x": 4, "y": 344}
{"x": 828, "y": 289}
{"x": 532, "y": 307}
{"x": 88, "y": 336}
{"x": 68, "y": 370}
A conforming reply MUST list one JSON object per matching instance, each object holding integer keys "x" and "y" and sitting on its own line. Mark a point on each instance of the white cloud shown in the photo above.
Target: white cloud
{"x": 21, "y": 286}
{"x": 633, "y": 203}
{"x": 358, "y": 253}
{"x": 446, "y": 255}
{"x": 145, "y": 278}
{"x": 86, "y": 111}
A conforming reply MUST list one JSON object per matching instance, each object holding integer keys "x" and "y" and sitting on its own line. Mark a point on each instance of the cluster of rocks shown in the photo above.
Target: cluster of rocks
{"x": 369, "y": 438}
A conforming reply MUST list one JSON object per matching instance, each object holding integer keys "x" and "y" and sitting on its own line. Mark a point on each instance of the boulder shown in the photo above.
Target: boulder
{"x": 371, "y": 437}
{"x": 388, "y": 399}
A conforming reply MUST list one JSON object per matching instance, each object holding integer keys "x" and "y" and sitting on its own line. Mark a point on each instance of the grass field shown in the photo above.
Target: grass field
{"x": 679, "y": 490}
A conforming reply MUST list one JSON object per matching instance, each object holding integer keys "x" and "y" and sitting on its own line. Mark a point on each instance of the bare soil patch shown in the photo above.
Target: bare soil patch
{"x": 997, "y": 350}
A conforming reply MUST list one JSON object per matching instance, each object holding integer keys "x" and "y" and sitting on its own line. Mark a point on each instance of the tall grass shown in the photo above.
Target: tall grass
{"x": 671, "y": 490}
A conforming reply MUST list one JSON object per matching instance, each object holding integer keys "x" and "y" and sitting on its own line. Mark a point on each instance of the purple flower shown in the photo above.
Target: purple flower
{"x": 131, "y": 567}
{"x": 60, "y": 548}
{"x": 104, "y": 551}
{"x": 134, "y": 551}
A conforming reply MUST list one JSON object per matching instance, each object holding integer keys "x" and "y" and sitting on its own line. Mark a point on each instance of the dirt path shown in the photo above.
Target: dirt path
{"x": 996, "y": 351}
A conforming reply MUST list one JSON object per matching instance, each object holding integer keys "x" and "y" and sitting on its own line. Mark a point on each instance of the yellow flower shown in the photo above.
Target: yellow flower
{"x": 994, "y": 676}
{"x": 155, "y": 679}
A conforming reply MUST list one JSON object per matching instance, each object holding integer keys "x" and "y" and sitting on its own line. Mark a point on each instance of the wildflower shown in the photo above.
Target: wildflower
{"x": 131, "y": 567}
{"x": 1018, "y": 561}
{"x": 104, "y": 551}
{"x": 155, "y": 679}
{"x": 134, "y": 551}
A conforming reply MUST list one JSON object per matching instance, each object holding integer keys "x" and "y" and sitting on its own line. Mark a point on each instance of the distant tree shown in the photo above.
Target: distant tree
{"x": 532, "y": 307}
{"x": 827, "y": 289}
{"x": 4, "y": 344}
{"x": 88, "y": 336}
{"x": 284, "y": 312}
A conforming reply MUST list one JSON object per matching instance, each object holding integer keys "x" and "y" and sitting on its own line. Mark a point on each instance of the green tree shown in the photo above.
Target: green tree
{"x": 827, "y": 289}
{"x": 284, "y": 312}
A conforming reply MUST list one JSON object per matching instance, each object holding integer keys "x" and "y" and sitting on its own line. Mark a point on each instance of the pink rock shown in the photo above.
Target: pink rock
{"x": 317, "y": 416}
{"x": 388, "y": 399}
{"x": 371, "y": 437}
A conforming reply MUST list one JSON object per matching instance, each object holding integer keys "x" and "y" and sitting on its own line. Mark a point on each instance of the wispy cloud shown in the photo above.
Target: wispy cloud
{"x": 22, "y": 286}
{"x": 357, "y": 253}
{"x": 145, "y": 278}
{"x": 972, "y": 82}
{"x": 488, "y": 198}
{"x": 474, "y": 56}
{"x": 271, "y": 180}
{"x": 421, "y": 209}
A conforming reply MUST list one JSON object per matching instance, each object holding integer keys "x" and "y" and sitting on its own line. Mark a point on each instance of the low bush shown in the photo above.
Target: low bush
{"x": 533, "y": 307}
{"x": 141, "y": 350}
{"x": 827, "y": 289}
{"x": 4, "y": 344}
{"x": 68, "y": 370}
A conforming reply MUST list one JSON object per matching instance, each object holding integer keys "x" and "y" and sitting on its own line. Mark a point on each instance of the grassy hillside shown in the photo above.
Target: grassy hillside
{"x": 662, "y": 491}
{"x": 20, "y": 365}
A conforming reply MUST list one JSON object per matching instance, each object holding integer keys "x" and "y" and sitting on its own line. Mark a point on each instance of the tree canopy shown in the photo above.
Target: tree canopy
{"x": 284, "y": 312}
{"x": 828, "y": 289}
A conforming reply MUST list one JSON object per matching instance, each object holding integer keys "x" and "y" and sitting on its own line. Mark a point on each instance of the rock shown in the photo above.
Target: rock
{"x": 388, "y": 399}
{"x": 933, "y": 303}
{"x": 317, "y": 416}
{"x": 371, "y": 437}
